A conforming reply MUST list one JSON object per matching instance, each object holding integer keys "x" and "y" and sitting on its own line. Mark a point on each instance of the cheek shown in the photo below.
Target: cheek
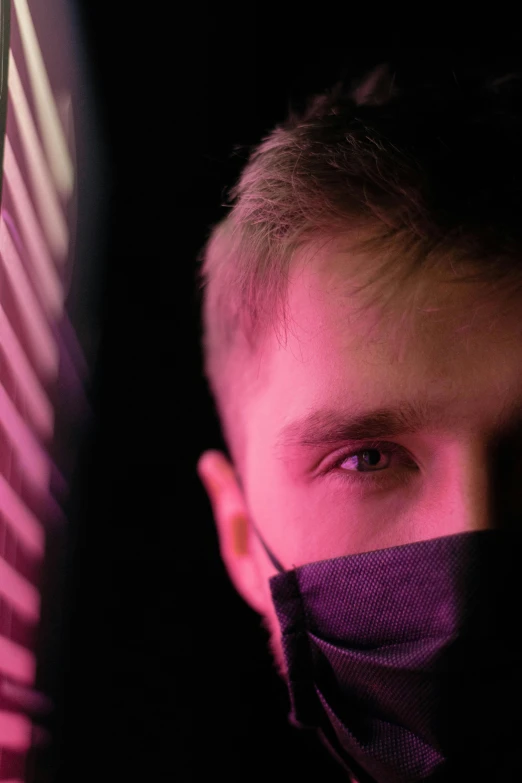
{"x": 269, "y": 620}
{"x": 300, "y": 521}
{"x": 271, "y": 625}
{"x": 303, "y": 521}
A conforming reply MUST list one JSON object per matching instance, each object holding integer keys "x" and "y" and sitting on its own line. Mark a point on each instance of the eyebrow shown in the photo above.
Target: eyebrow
{"x": 329, "y": 426}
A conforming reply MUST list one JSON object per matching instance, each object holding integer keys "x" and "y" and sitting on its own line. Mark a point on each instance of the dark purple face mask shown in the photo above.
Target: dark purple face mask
{"x": 407, "y": 661}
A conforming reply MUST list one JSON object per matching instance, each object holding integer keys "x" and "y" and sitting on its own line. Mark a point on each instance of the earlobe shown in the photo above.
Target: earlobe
{"x": 232, "y": 522}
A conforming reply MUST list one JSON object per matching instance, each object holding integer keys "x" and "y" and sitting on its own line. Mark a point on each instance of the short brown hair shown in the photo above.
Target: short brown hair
{"x": 414, "y": 177}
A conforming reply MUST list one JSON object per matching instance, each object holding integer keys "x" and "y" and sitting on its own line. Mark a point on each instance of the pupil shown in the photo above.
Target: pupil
{"x": 375, "y": 452}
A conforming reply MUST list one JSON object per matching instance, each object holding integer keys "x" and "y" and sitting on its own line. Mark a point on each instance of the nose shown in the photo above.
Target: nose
{"x": 464, "y": 489}
{"x": 478, "y": 487}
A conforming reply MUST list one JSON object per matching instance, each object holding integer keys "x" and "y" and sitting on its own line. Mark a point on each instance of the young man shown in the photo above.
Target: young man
{"x": 362, "y": 339}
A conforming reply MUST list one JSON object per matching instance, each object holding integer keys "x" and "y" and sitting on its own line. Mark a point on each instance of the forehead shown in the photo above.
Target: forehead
{"x": 460, "y": 347}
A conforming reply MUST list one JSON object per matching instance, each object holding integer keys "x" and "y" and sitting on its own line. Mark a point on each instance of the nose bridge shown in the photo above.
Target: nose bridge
{"x": 468, "y": 487}
{"x": 481, "y": 484}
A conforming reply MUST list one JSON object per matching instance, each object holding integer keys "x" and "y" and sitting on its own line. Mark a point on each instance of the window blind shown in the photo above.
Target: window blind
{"x": 36, "y": 344}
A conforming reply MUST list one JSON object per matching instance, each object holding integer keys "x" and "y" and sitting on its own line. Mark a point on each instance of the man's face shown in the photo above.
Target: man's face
{"x": 309, "y": 486}
{"x": 314, "y": 488}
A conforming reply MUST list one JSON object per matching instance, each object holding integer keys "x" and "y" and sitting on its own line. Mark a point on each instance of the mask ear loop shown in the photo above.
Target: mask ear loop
{"x": 275, "y": 562}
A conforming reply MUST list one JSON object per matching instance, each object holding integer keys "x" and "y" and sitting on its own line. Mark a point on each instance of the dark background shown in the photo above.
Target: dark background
{"x": 166, "y": 674}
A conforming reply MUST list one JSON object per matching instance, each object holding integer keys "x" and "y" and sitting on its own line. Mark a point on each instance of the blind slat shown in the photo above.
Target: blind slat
{"x": 15, "y": 731}
{"x": 22, "y": 596}
{"x": 33, "y": 459}
{"x": 16, "y": 661}
{"x": 46, "y": 197}
{"x": 37, "y": 404}
{"x": 53, "y": 136}
{"x": 45, "y": 352}
{"x": 28, "y": 528}
{"x": 46, "y": 275}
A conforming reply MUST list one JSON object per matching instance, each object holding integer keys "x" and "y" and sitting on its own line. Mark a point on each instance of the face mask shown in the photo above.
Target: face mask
{"x": 406, "y": 661}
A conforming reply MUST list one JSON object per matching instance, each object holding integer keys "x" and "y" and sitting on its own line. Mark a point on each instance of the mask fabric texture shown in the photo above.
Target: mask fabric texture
{"x": 407, "y": 661}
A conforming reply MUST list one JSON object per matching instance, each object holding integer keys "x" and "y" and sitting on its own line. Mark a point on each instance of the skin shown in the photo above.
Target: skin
{"x": 463, "y": 349}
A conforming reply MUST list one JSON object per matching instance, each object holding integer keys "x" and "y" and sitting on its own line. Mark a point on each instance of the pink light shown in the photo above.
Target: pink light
{"x": 19, "y": 592}
{"x": 32, "y": 457}
{"x": 26, "y": 697}
{"x": 17, "y": 662}
{"x": 42, "y": 341}
{"x": 46, "y": 276}
{"x": 37, "y": 405}
{"x": 46, "y": 198}
{"x": 28, "y": 529}
{"x": 15, "y": 731}
{"x": 39, "y": 181}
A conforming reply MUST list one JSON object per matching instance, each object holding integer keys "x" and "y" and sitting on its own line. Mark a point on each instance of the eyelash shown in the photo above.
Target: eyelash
{"x": 378, "y": 478}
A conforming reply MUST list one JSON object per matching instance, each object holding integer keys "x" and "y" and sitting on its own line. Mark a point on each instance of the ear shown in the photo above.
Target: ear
{"x": 231, "y": 518}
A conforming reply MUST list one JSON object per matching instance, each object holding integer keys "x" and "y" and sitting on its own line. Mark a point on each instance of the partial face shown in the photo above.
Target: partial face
{"x": 321, "y": 479}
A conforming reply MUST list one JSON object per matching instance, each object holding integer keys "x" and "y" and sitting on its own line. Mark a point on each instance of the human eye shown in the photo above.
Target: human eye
{"x": 374, "y": 464}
